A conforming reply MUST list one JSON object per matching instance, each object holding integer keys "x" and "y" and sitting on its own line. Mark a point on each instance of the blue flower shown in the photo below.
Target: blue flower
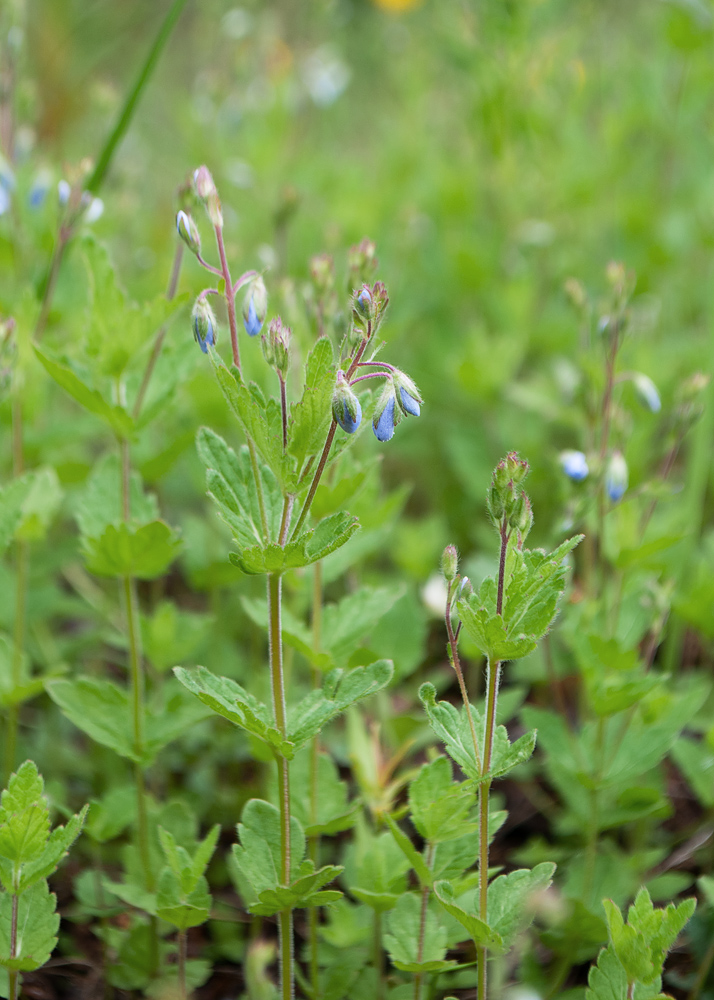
{"x": 408, "y": 396}
{"x": 383, "y": 422}
{"x": 349, "y": 422}
{"x": 616, "y": 477}
{"x": 346, "y": 408}
{"x": 251, "y": 322}
{"x": 574, "y": 465}
{"x": 647, "y": 392}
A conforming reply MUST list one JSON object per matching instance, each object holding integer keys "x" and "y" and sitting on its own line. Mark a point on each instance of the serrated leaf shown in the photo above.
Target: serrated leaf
{"x": 375, "y": 868}
{"x": 179, "y": 907}
{"x": 405, "y": 931}
{"x": 227, "y": 698}
{"x": 318, "y": 798}
{"x": 410, "y": 852}
{"x": 231, "y": 485}
{"x": 143, "y": 553}
{"x": 340, "y": 690}
{"x": 509, "y": 897}
{"x": 40, "y": 504}
{"x": 310, "y": 418}
{"x": 116, "y": 417}
{"x": 478, "y": 930}
{"x": 59, "y": 843}
{"x": 99, "y": 504}
{"x": 453, "y": 729}
{"x": 439, "y": 806}
{"x": 11, "y": 501}
{"x": 100, "y": 709}
{"x": 24, "y": 789}
{"x": 37, "y": 925}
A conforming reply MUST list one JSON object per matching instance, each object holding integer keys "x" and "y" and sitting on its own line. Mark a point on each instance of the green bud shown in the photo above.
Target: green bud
{"x": 450, "y": 563}
{"x": 494, "y": 504}
{"x": 276, "y": 346}
{"x": 188, "y": 231}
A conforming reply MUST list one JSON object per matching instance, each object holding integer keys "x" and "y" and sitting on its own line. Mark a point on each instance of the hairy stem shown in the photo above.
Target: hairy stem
{"x": 22, "y": 560}
{"x": 429, "y": 859}
{"x": 284, "y": 410}
{"x": 453, "y": 650}
{"x": 13, "y": 974}
{"x": 280, "y": 710}
{"x": 328, "y": 444}
{"x": 378, "y": 954}
{"x": 230, "y": 297}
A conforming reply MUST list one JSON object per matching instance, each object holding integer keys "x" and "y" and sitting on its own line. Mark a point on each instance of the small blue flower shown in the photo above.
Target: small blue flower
{"x": 574, "y": 465}
{"x": 383, "y": 423}
{"x": 364, "y": 299}
{"x": 39, "y": 189}
{"x": 409, "y": 404}
{"x": 64, "y": 190}
{"x": 251, "y": 322}
{"x": 346, "y": 408}
{"x": 616, "y": 477}
{"x": 647, "y": 392}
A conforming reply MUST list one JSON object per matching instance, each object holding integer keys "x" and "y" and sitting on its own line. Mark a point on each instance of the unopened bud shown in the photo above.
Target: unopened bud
{"x": 204, "y": 325}
{"x": 510, "y": 469}
{"x": 576, "y": 293}
{"x": 408, "y": 398}
{"x": 647, "y": 392}
{"x": 386, "y": 414}
{"x": 574, "y": 465}
{"x": 449, "y": 563}
{"x": 188, "y": 231}
{"x": 346, "y": 408}
{"x": 616, "y": 477}
{"x": 276, "y": 346}
{"x": 362, "y": 262}
{"x": 255, "y": 306}
{"x": 322, "y": 270}
{"x": 207, "y": 192}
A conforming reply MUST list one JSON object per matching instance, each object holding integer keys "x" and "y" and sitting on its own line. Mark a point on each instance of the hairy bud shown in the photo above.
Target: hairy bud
{"x": 204, "y": 325}
{"x": 188, "y": 231}
{"x": 346, "y": 407}
{"x": 255, "y": 306}
{"x": 276, "y": 346}
{"x": 450, "y": 563}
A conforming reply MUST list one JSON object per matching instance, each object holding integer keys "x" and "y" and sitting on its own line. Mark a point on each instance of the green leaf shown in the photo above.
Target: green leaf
{"x": 311, "y": 417}
{"x": 375, "y": 868}
{"x": 37, "y": 923}
{"x": 478, "y": 930}
{"x": 439, "y": 806}
{"x": 413, "y": 856}
{"x": 177, "y": 906}
{"x": 111, "y": 814}
{"x": 100, "y": 709}
{"x": 321, "y": 786}
{"x": 405, "y": 930}
{"x": 231, "y": 485}
{"x": 311, "y": 545}
{"x": 40, "y": 504}
{"x": 227, "y": 698}
{"x": 144, "y": 553}
{"x": 116, "y": 417}
{"x": 25, "y": 789}
{"x": 100, "y": 502}
{"x": 340, "y": 690}
{"x": 696, "y": 762}
{"x": 509, "y": 897}
{"x": 453, "y": 729}
{"x": 608, "y": 981}
{"x": 12, "y": 499}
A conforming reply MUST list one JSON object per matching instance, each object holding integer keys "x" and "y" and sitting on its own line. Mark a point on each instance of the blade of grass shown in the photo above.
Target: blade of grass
{"x": 127, "y": 112}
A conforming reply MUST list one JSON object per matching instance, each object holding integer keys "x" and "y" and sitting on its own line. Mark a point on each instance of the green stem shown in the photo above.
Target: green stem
{"x": 702, "y": 973}
{"x": 593, "y": 829}
{"x": 279, "y": 707}
{"x": 229, "y": 296}
{"x": 378, "y": 954}
{"x": 453, "y": 650}
{"x": 22, "y": 556}
{"x": 429, "y": 860}
{"x": 328, "y": 444}
{"x": 127, "y": 112}
{"x": 314, "y": 842}
{"x": 13, "y": 974}
{"x": 182, "y": 953}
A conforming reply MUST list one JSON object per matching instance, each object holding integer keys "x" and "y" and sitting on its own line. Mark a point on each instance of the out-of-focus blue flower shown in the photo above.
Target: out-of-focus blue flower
{"x": 574, "y": 464}
{"x": 64, "y": 190}
{"x": 616, "y": 477}
{"x": 647, "y": 392}
{"x": 4, "y": 199}
{"x": 385, "y": 416}
{"x": 204, "y": 325}
{"x": 39, "y": 189}
{"x": 255, "y": 306}
{"x": 7, "y": 185}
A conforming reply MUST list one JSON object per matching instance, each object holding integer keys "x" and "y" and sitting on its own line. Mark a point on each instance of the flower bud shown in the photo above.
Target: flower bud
{"x": 188, "y": 231}
{"x": 516, "y": 510}
{"x": 204, "y": 325}
{"x": 525, "y": 520}
{"x": 647, "y": 392}
{"x": 64, "y": 190}
{"x": 465, "y": 589}
{"x": 255, "y": 306}
{"x": 450, "y": 563}
{"x": 616, "y": 477}
{"x": 386, "y": 417}
{"x": 346, "y": 407}
{"x": 276, "y": 346}
{"x": 322, "y": 271}
{"x": 510, "y": 469}
{"x": 362, "y": 262}
{"x": 574, "y": 464}
{"x": 408, "y": 397}
{"x": 207, "y": 192}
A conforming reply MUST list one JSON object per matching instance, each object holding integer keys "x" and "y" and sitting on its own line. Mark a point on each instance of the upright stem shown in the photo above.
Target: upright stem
{"x": 280, "y": 710}
{"x": 230, "y": 297}
{"x": 283, "y": 410}
{"x": 314, "y": 842}
{"x": 22, "y": 559}
{"x": 453, "y": 648}
{"x": 13, "y": 974}
{"x": 429, "y": 859}
{"x": 182, "y": 953}
{"x": 492, "y": 679}
{"x": 328, "y": 444}
{"x": 378, "y": 954}
{"x": 606, "y": 415}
